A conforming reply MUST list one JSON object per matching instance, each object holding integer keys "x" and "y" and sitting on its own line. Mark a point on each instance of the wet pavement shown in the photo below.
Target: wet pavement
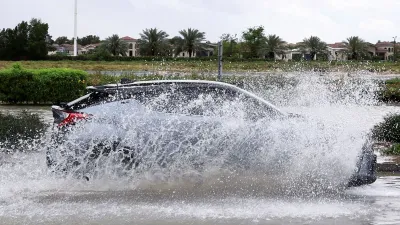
{"x": 378, "y": 203}
{"x": 30, "y": 195}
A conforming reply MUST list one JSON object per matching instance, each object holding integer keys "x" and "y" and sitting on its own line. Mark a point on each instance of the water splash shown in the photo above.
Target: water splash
{"x": 295, "y": 157}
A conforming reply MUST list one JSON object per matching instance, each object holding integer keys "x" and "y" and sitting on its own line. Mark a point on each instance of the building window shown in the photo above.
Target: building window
{"x": 130, "y": 46}
{"x": 183, "y": 54}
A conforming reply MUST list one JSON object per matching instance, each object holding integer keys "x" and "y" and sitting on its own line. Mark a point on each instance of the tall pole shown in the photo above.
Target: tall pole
{"x": 394, "y": 48}
{"x": 220, "y": 49}
{"x": 76, "y": 29}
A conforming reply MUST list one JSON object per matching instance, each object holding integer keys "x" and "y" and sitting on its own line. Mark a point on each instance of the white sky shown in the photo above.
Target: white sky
{"x": 331, "y": 20}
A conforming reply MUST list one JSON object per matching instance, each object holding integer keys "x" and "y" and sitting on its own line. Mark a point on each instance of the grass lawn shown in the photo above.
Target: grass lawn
{"x": 211, "y": 66}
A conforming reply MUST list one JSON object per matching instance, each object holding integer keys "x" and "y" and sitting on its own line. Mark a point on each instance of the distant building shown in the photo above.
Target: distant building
{"x": 66, "y": 49}
{"x": 207, "y": 51}
{"x": 337, "y": 51}
{"x": 133, "y": 47}
{"x": 384, "y": 49}
{"x": 89, "y": 48}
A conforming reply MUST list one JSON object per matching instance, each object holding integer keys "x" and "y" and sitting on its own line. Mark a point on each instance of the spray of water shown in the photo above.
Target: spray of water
{"x": 299, "y": 156}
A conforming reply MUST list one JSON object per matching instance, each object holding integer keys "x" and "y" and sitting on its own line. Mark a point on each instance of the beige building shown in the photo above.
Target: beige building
{"x": 337, "y": 51}
{"x": 67, "y": 49}
{"x": 89, "y": 48}
{"x": 133, "y": 48}
{"x": 384, "y": 49}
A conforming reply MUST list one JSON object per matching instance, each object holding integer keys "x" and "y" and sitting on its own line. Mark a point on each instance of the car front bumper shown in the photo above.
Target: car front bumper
{"x": 366, "y": 173}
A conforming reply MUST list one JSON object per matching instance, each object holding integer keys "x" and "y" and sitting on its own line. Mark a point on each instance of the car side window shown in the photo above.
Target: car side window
{"x": 184, "y": 99}
{"x": 94, "y": 98}
{"x": 201, "y": 100}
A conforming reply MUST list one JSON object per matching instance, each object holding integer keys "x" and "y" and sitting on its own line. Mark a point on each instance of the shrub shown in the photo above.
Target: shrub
{"x": 393, "y": 150}
{"x": 388, "y": 130}
{"x": 19, "y": 85}
{"x": 391, "y": 90}
{"x": 18, "y": 132}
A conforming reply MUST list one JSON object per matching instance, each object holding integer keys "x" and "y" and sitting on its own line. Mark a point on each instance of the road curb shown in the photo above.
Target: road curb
{"x": 388, "y": 167}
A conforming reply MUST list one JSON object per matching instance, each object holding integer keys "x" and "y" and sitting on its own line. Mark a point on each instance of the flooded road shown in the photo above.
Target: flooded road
{"x": 30, "y": 194}
{"x": 46, "y": 200}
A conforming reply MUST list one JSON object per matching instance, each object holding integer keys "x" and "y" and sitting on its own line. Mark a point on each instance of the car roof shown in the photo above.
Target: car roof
{"x": 134, "y": 84}
{"x": 156, "y": 82}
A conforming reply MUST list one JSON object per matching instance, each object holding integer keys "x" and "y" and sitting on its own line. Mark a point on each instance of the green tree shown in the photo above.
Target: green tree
{"x": 90, "y": 39}
{"x": 62, "y": 40}
{"x": 14, "y": 42}
{"x": 3, "y": 43}
{"x": 116, "y": 46}
{"x": 274, "y": 45}
{"x": 153, "y": 42}
{"x": 191, "y": 40}
{"x": 254, "y": 40}
{"x": 177, "y": 44}
{"x": 19, "y": 38}
{"x": 38, "y": 39}
{"x": 100, "y": 52}
{"x": 230, "y": 45}
{"x": 313, "y": 45}
{"x": 356, "y": 47}
{"x": 25, "y": 41}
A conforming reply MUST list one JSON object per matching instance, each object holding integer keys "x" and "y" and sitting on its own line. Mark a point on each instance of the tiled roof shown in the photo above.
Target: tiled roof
{"x": 384, "y": 44}
{"x": 337, "y": 45}
{"x": 127, "y": 38}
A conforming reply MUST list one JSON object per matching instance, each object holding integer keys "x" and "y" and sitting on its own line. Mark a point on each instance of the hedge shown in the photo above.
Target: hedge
{"x": 388, "y": 130}
{"x": 391, "y": 90}
{"x": 18, "y": 85}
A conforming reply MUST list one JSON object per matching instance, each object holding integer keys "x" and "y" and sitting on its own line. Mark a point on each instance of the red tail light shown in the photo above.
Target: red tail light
{"x": 72, "y": 117}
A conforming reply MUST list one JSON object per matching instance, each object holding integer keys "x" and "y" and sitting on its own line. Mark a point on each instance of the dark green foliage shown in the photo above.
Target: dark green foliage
{"x": 63, "y": 40}
{"x": 274, "y": 45}
{"x": 191, "y": 41}
{"x": 314, "y": 45}
{"x": 18, "y": 85}
{"x": 394, "y": 150}
{"x": 90, "y": 39}
{"x": 254, "y": 41}
{"x": 388, "y": 130}
{"x": 357, "y": 47}
{"x": 25, "y": 41}
{"x": 230, "y": 45}
{"x": 391, "y": 90}
{"x": 153, "y": 42}
{"x": 18, "y": 132}
{"x": 37, "y": 39}
{"x": 116, "y": 46}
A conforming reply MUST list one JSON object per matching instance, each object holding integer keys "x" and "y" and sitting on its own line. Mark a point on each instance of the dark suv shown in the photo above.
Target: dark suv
{"x": 205, "y": 102}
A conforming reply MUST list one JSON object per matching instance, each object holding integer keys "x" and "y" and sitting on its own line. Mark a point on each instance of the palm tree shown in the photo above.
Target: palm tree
{"x": 116, "y": 46}
{"x": 356, "y": 46}
{"x": 314, "y": 45}
{"x": 273, "y": 44}
{"x": 152, "y": 42}
{"x": 191, "y": 40}
{"x": 177, "y": 43}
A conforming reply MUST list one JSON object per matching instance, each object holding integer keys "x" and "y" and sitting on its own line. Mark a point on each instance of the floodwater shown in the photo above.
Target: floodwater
{"x": 30, "y": 194}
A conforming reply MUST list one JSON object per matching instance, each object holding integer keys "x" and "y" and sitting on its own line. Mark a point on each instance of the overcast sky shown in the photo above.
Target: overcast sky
{"x": 331, "y": 20}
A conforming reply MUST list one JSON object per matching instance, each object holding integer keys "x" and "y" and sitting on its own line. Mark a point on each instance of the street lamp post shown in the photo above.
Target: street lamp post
{"x": 220, "y": 49}
{"x": 76, "y": 28}
{"x": 394, "y": 48}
